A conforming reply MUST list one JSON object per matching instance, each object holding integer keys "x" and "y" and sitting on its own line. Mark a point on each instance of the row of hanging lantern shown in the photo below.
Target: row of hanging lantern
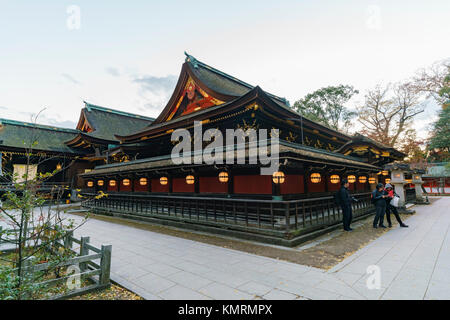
{"x": 113, "y": 183}
{"x": 277, "y": 177}
{"x": 190, "y": 179}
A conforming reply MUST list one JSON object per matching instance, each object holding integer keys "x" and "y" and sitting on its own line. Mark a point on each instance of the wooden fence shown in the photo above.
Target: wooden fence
{"x": 280, "y": 218}
{"x": 97, "y": 273}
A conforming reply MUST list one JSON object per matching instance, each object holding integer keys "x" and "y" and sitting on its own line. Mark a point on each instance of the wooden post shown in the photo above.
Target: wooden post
{"x": 230, "y": 183}
{"x": 27, "y": 271}
{"x": 305, "y": 181}
{"x": 196, "y": 183}
{"x": 84, "y": 251}
{"x": 288, "y": 216}
{"x": 105, "y": 265}
{"x": 68, "y": 240}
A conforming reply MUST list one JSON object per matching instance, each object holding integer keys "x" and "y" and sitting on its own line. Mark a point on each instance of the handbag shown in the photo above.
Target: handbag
{"x": 394, "y": 201}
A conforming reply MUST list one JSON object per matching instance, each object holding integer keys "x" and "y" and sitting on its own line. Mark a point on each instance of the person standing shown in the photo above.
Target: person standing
{"x": 390, "y": 208}
{"x": 345, "y": 201}
{"x": 379, "y": 200}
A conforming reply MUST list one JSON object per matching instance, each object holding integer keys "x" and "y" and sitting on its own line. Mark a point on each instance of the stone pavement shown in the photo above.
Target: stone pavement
{"x": 414, "y": 264}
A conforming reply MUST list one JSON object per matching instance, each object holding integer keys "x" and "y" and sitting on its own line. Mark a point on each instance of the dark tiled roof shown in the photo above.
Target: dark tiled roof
{"x": 224, "y": 83}
{"x": 166, "y": 161}
{"x": 17, "y": 134}
{"x": 108, "y": 122}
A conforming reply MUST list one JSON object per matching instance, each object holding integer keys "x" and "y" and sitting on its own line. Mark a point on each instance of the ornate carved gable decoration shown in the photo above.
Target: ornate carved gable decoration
{"x": 192, "y": 99}
{"x": 83, "y": 125}
{"x": 361, "y": 150}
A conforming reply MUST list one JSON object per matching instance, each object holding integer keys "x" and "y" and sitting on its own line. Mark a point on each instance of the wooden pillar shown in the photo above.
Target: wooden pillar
{"x": 230, "y": 183}
{"x": 196, "y": 183}
{"x": 305, "y": 181}
{"x": 169, "y": 181}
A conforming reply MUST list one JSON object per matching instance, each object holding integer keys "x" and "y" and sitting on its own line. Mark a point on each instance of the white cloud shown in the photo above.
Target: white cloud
{"x": 69, "y": 78}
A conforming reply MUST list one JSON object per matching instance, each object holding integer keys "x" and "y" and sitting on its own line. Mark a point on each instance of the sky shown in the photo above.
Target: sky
{"x": 127, "y": 55}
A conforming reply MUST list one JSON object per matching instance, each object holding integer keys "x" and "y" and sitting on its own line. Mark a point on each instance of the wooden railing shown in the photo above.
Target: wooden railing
{"x": 43, "y": 185}
{"x": 97, "y": 273}
{"x": 276, "y": 217}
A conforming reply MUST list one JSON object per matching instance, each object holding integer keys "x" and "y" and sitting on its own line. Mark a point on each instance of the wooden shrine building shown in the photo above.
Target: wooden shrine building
{"x": 128, "y": 157}
{"x": 236, "y": 198}
{"x": 68, "y": 151}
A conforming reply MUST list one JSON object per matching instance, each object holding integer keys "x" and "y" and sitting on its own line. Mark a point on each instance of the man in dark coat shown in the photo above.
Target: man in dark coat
{"x": 378, "y": 199}
{"x": 345, "y": 201}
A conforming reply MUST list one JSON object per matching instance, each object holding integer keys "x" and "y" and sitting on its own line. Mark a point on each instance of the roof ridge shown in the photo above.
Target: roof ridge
{"x": 36, "y": 125}
{"x": 119, "y": 112}
{"x": 319, "y": 150}
{"x": 359, "y": 135}
{"x": 195, "y": 62}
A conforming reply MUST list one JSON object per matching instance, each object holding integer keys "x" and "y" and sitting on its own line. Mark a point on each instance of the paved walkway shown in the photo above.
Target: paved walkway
{"x": 414, "y": 264}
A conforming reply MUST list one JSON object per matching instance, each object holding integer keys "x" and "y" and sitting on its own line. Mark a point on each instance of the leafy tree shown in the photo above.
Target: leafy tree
{"x": 439, "y": 143}
{"x": 412, "y": 147}
{"x": 327, "y": 106}
{"x": 389, "y": 111}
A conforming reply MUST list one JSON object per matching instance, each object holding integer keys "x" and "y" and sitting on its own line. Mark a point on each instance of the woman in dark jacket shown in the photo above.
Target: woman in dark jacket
{"x": 379, "y": 200}
{"x": 390, "y": 208}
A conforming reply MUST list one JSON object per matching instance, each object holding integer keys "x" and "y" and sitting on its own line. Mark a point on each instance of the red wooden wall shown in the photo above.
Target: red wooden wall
{"x": 115, "y": 188}
{"x": 316, "y": 187}
{"x": 292, "y": 184}
{"x": 255, "y": 184}
{"x": 158, "y": 187}
{"x": 243, "y": 184}
{"x": 212, "y": 185}
{"x": 125, "y": 188}
{"x": 180, "y": 185}
{"x": 333, "y": 186}
{"x": 139, "y": 188}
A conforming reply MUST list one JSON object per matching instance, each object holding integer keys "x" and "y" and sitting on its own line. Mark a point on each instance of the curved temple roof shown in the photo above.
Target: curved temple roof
{"x": 225, "y": 89}
{"x": 21, "y": 135}
{"x": 362, "y": 145}
{"x": 202, "y": 93}
{"x": 101, "y": 124}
